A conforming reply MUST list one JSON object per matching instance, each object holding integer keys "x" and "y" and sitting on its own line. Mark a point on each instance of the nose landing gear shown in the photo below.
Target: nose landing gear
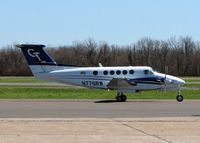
{"x": 179, "y": 97}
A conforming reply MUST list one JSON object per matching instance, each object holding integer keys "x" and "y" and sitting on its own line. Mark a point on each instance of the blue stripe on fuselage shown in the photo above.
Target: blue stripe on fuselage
{"x": 150, "y": 80}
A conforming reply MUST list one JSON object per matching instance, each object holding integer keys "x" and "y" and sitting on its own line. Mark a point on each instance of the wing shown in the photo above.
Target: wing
{"x": 117, "y": 83}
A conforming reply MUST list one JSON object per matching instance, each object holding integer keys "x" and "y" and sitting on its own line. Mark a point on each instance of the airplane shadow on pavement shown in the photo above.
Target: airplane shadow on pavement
{"x": 112, "y": 101}
{"x": 105, "y": 101}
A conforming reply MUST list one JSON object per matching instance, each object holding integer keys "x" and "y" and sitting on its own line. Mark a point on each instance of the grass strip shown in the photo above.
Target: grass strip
{"x": 84, "y": 93}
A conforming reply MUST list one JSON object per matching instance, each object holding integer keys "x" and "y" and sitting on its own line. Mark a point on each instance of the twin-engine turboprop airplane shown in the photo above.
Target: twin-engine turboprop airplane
{"x": 123, "y": 79}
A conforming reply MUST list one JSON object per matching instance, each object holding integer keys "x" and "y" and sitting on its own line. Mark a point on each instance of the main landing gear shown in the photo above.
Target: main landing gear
{"x": 179, "y": 97}
{"x": 121, "y": 97}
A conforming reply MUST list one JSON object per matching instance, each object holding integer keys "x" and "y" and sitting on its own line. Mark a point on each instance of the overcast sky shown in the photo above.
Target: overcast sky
{"x": 60, "y": 22}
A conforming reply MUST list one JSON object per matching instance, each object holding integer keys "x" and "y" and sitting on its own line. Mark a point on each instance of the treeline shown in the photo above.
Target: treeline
{"x": 181, "y": 56}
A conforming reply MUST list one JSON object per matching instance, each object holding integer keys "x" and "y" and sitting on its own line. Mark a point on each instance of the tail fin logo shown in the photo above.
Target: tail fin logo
{"x": 34, "y": 54}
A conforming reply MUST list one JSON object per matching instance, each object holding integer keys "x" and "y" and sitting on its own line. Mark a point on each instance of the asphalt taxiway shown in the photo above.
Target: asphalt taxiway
{"x": 98, "y": 109}
{"x": 100, "y": 121}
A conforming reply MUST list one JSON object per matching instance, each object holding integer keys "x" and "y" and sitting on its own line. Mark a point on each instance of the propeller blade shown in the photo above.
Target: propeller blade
{"x": 165, "y": 80}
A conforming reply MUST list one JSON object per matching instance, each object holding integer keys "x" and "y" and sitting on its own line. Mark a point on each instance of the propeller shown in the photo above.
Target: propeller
{"x": 165, "y": 79}
{"x": 164, "y": 88}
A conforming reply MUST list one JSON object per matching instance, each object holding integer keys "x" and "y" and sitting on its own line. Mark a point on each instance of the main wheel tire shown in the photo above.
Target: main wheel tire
{"x": 179, "y": 98}
{"x": 124, "y": 98}
{"x": 119, "y": 98}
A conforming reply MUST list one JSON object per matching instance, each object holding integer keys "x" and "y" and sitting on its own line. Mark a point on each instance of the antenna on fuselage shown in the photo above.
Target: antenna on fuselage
{"x": 100, "y": 65}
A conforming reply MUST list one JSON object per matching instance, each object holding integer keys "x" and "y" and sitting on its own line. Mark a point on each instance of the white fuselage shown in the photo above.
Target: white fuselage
{"x": 123, "y": 79}
{"x": 142, "y": 78}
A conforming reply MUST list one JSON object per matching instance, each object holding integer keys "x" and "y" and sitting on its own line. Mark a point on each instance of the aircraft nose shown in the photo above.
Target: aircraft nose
{"x": 175, "y": 80}
{"x": 181, "y": 82}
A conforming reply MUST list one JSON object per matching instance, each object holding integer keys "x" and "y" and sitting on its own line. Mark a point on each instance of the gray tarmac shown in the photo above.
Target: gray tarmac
{"x": 89, "y": 121}
{"x": 98, "y": 109}
{"x": 99, "y": 121}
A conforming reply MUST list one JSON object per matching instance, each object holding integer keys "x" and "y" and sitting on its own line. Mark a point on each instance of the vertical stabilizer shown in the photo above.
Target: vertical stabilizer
{"x": 38, "y": 59}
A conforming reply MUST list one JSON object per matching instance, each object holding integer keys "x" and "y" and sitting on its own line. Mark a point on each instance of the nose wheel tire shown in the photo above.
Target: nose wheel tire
{"x": 179, "y": 98}
{"x": 121, "y": 98}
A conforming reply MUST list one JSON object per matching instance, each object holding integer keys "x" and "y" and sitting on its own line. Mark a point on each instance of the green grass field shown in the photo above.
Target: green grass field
{"x": 84, "y": 93}
{"x": 191, "y": 79}
{"x": 7, "y": 92}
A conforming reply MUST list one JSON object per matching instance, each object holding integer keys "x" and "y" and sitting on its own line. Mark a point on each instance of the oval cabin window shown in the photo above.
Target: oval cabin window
{"x": 95, "y": 72}
{"x": 118, "y": 72}
{"x": 112, "y": 72}
{"x": 105, "y": 72}
{"x": 131, "y": 72}
{"x": 124, "y": 72}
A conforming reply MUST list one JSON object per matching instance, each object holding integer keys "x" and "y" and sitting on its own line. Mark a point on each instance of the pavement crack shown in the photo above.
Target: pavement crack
{"x": 146, "y": 133}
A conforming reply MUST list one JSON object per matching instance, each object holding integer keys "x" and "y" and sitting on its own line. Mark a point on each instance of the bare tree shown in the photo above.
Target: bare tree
{"x": 180, "y": 55}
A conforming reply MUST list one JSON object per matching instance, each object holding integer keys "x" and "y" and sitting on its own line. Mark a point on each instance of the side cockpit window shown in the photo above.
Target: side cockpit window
{"x": 148, "y": 72}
